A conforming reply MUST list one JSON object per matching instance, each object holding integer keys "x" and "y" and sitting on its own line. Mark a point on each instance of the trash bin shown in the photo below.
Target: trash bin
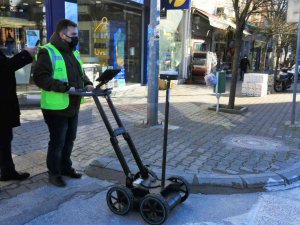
{"x": 221, "y": 82}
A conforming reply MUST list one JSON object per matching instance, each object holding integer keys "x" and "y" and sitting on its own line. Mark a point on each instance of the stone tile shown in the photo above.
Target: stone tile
{"x": 198, "y": 139}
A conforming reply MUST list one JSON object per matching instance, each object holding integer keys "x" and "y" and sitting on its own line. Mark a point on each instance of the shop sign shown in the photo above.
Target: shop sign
{"x": 175, "y": 4}
{"x": 139, "y": 1}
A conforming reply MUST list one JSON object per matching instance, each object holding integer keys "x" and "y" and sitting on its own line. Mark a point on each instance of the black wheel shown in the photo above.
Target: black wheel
{"x": 278, "y": 87}
{"x": 184, "y": 186}
{"x": 154, "y": 209}
{"x": 119, "y": 199}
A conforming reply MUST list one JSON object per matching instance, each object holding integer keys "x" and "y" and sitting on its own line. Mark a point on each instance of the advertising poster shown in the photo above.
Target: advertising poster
{"x": 32, "y": 37}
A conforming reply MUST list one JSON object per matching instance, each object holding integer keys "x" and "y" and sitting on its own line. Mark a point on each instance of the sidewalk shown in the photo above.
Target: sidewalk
{"x": 250, "y": 152}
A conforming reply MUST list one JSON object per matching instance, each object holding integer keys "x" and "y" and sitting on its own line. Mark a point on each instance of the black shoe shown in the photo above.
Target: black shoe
{"x": 57, "y": 181}
{"x": 72, "y": 173}
{"x": 14, "y": 175}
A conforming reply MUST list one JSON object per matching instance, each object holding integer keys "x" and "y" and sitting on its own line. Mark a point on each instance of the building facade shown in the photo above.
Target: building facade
{"x": 112, "y": 34}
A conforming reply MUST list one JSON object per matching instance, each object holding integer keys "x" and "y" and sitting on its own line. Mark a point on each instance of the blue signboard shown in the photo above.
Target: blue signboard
{"x": 71, "y": 11}
{"x": 175, "y": 4}
{"x": 138, "y": 1}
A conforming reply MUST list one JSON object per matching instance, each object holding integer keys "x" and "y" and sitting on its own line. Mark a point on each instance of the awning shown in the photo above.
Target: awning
{"x": 218, "y": 22}
{"x": 15, "y": 22}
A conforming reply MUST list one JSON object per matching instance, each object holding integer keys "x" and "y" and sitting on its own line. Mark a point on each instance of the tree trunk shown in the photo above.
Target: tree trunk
{"x": 286, "y": 48}
{"x": 264, "y": 54}
{"x": 263, "y": 57}
{"x": 235, "y": 66}
{"x": 277, "y": 59}
{"x": 273, "y": 54}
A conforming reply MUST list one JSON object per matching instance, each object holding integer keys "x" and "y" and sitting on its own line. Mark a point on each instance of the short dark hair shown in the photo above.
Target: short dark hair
{"x": 64, "y": 24}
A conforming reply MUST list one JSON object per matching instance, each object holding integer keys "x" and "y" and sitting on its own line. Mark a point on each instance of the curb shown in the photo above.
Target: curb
{"x": 29, "y": 101}
{"x": 223, "y": 108}
{"x": 208, "y": 183}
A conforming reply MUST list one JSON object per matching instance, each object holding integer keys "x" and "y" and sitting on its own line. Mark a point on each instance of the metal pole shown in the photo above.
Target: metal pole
{"x": 296, "y": 74}
{"x": 152, "y": 102}
{"x": 217, "y": 94}
{"x": 165, "y": 145}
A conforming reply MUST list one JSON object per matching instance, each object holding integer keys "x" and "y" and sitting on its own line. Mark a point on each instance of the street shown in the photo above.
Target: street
{"x": 84, "y": 203}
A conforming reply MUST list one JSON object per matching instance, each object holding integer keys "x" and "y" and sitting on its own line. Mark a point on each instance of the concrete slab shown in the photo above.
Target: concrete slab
{"x": 83, "y": 202}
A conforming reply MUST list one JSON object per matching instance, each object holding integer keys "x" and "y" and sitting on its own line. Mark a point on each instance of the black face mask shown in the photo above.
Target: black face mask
{"x": 73, "y": 43}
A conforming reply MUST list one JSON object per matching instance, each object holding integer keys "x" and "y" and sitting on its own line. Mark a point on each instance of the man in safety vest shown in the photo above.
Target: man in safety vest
{"x": 59, "y": 69}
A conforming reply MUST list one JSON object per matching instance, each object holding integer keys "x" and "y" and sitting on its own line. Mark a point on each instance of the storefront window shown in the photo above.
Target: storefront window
{"x": 22, "y": 23}
{"x": 110, "y": 38}
{"x": 171, "y": 40}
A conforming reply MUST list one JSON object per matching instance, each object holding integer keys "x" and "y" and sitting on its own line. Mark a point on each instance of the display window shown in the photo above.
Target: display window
{"x": 170, "y": 48}
{"x": 110, "y": 37}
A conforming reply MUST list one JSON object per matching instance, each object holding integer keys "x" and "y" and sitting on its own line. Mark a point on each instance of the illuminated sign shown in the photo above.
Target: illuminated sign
{"x": 138, "y": 1}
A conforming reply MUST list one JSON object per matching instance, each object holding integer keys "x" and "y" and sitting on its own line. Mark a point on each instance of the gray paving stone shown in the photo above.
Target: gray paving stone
{"x": 247, "y": 169}
{"x": 291, "y": 174}
{"x": 200, "y": 132}
{"x": 263, "y": 181}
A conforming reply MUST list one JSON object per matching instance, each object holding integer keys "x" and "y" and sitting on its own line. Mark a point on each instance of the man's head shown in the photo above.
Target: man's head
{"x": 67, "y": 31}
{"x": 245, "y": 56}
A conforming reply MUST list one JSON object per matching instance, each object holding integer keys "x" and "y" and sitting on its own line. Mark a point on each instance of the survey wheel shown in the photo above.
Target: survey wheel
{"x": 154, "y": 209}
{"x": 119, "y": 199}
{"x": 184, "y": 186}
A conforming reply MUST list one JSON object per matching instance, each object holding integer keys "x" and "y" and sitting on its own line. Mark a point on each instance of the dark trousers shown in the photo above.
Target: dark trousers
{"x": 242, "y": 72}
{"x": 6, "y": 162}
{"x": 62, "y": 136}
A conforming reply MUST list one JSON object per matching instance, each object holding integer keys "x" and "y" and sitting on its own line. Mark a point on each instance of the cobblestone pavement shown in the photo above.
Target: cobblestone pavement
{"x": 199, "y": 140}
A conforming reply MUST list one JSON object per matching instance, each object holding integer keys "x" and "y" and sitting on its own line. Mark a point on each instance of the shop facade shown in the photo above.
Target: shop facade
{"x": 111, "y": 35}
{"x": 22, "y": 23}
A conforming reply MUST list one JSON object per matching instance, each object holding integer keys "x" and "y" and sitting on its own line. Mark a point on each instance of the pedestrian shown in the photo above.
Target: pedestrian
{"x": 243, "y": 66}
{"x": 10, "y": 44}
{"x": 59, "y": 69}
{"x": 10, "y": 111}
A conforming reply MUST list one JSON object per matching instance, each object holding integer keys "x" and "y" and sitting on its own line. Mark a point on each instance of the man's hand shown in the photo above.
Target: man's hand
{"x": 89, "y": 88}
{"x": 72, "y": 89}
{"x": 31, "y": 51}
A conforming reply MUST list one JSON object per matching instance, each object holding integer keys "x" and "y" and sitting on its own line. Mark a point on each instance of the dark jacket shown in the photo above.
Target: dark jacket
{"x": 244, "y": 64}
{"x": 42, "y": 76}
{"x": 9, "y": 105}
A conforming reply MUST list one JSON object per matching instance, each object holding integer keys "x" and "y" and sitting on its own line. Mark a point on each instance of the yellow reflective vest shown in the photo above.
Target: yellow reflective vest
{"x": 55, "y": 100}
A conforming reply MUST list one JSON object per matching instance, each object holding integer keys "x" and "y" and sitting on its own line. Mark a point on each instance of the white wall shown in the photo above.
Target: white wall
{"x": 205, "y": 5}
{"x": 211, "y": 6}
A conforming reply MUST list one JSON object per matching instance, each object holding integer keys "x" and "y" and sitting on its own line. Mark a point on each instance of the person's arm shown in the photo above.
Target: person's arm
{"x": 17, "y": 61}
{"x": 42, "y": 74}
